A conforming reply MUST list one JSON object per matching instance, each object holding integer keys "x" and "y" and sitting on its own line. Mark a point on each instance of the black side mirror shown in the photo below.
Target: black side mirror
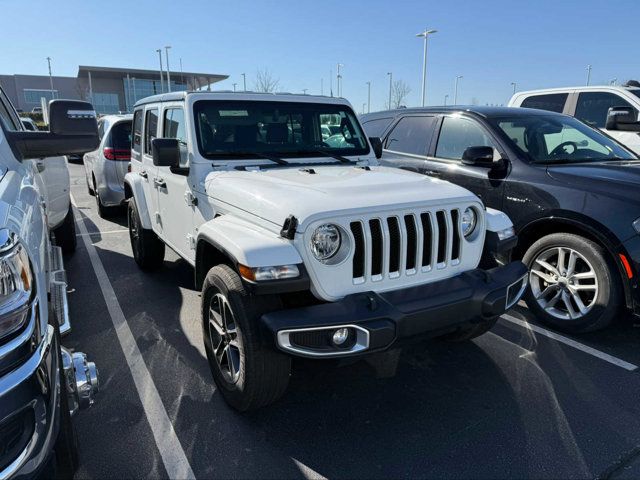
{"x": 622, "y": 118}
{"x": 166, "y": 152}
{"x": 376, "y": 143}
{"x": 73, "y": 130}
{"x": 479, "y": 157}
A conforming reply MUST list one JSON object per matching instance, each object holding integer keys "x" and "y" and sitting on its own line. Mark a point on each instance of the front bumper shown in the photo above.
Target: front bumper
{"x": 378, "y": 321}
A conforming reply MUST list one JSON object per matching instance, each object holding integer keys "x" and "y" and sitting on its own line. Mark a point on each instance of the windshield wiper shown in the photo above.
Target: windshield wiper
{"x": 326, "y": 153}
{"x": 267, "y": 156}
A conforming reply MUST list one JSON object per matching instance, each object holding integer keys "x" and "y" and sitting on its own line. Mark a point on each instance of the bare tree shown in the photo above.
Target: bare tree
{"x": 82, "y": 90}
{"x": 399, "y": 93}
{"x": 265, "y": 82}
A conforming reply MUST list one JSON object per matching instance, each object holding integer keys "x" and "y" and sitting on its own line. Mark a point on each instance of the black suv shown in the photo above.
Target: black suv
{"x": 571, "y": 191}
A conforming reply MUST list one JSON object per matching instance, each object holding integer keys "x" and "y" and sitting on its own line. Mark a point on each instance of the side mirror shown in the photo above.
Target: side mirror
{"x": 73, "y": 130}
{"x": 479, "y": 157}
{"x": 166, "y": 152}
{"x": 376, "y": 143}
{"x": 622, "y": 118}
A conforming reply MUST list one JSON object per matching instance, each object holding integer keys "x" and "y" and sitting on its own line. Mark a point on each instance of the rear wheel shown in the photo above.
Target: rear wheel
{"x": 573, "y": 286}
{"x": 66, "y": 233}
{"x": 148, "y": 249}
{"x": 249, "y": 374}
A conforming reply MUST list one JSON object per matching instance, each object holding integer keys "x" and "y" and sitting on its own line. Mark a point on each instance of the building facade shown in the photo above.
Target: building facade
{"x": 110, "y": 90}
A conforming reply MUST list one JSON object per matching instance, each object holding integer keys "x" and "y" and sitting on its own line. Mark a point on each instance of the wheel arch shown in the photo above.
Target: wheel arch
{"x": 133, "y": 191}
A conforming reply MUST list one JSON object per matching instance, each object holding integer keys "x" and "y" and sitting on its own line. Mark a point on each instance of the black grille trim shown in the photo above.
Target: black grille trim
{"x": 442, "y": 236}
{"x": 412, "y": 241}
{"x": 427, "y": 236}
{"x": 377, "y": 240}
{"x": 359, "y": 249}
{"x": 395, "y": 244}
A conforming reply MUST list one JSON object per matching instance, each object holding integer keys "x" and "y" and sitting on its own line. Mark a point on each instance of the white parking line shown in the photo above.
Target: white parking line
{"x": 173, "y": 456}
{"x": 572, "y": 343}
{"x": 101, "y": 233}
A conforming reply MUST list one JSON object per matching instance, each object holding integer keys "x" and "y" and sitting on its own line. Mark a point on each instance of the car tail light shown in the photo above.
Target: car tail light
{"x": 116, "y": 154}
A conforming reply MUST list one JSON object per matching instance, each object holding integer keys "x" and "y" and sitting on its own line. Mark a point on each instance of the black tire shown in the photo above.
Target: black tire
{"x": 472, "y": 331}
{"x": 603, "y": 302}
{"x": 66, "y": 233}
{"x": 148, "y": 249}
{"x": 262, "y": 373}
{"x": 103, "y": 210}
{"x": 89, "y": 187}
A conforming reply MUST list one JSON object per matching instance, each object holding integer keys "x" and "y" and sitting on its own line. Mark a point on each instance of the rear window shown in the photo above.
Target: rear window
{"x": 411, "y": 135}
{"x": 553, "y": 102}
{"x": 375, "y": 128}
{"x": 120, "y": 136}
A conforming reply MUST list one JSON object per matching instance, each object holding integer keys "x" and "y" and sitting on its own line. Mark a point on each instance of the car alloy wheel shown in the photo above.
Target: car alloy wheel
{"x": 564, "y": 283}
{"x": 223, "y": 334}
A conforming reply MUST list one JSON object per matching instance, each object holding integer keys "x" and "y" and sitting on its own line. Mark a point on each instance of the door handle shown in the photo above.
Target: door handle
{"x": 143, "y": 173}
{"x": 159, "y": 182}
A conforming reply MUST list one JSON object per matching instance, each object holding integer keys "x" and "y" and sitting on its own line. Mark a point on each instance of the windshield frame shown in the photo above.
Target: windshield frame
{"x": 495, "y": 123}
{"x": 313, "y": 152}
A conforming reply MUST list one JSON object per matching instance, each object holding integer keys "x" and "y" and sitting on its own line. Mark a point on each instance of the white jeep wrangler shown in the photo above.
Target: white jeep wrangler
{"x": 301, "y": 243}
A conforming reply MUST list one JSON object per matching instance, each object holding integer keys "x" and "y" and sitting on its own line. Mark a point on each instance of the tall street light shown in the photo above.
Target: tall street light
{"x": 166, "y": 50}
{"x": 304, "y": 91}
{"x": 339, "y": 80}
{"x": 244, "y": 81}
{"x": 161, "y": 71}
{"x": 514, "y": 84}
{"x": 455, "y": 92}
{"x": 234, "y": 86}
{"x": 588, "y": 74}
{"x": 425, "y": 35}
{"x": 368, "y": 97}
{"x": 445, "y": 99}
{"x": 390, "y": 85}
{"x": 50, "y": 78}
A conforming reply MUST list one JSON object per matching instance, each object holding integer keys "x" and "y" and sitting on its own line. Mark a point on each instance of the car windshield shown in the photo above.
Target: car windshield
{"x": 559, "y": 139}
{"x": 247, "y": 129}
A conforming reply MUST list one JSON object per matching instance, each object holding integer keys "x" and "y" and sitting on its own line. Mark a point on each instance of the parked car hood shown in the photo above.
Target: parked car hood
{"x": 322, "y": 191}
{"x": 601, "y": 176}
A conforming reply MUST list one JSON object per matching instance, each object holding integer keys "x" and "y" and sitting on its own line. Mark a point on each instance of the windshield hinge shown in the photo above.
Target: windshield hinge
{"x": 289, "y": 228}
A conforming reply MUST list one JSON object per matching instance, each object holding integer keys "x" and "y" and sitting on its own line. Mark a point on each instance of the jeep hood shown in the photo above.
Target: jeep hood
{"x": 322, "y": 191}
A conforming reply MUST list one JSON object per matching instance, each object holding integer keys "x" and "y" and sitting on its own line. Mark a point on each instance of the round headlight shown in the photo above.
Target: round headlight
{"x": 325, "y": 241}
{"x": 469, "y": 221}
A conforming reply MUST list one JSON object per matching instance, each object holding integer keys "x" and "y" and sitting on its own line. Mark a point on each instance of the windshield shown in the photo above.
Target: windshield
{"x": 245, "y": 129}
{"x": 559, "y": 139}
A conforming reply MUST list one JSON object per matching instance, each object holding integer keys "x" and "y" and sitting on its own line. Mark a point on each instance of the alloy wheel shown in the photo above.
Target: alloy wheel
{"x": 564, "y": 283}
{"x": 223, "y": 335}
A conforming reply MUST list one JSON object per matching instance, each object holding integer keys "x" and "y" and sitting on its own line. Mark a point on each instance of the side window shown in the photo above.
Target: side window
{"x": 137, "y": 131}
{"x": 101, "y": 129}
{"x": 150, "y": 129}
{"x": 6, "y": 115}
{"x": 592, "y": 107}
{"x": 458, "y": 134}
{"x": 411, "y": 135}
{"x": 375, "y": 128}
{"x": 174, "y": 127}
{"x": 554, "y": 102}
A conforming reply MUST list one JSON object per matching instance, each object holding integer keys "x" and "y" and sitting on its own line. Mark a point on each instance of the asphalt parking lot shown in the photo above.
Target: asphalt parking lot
{"x": 515, "y": 403}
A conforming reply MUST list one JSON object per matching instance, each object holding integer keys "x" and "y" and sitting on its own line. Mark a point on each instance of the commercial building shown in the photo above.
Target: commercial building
{"x": 111, "y": 90}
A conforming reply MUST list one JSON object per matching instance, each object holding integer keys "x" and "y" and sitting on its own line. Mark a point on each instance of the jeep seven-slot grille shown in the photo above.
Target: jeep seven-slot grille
{"x": 394, "y": 245}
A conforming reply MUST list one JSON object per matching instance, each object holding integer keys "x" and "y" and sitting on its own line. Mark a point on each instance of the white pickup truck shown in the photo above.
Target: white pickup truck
{"x": 301, "y": 243}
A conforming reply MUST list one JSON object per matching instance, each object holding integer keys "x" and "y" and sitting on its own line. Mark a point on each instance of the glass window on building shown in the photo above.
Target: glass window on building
{"x": 105, "y": 103}
{"x": 137, "y": 88}
{"x": 33, "y": 96}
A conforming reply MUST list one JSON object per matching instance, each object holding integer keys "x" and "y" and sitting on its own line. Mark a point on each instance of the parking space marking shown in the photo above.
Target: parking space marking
{"x": 572, "y": 343}
{"x": 173, "y": 456}
{"x": 101, "y": 233}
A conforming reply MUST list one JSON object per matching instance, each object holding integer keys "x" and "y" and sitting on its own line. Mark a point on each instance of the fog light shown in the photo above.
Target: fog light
{"x": 340, "y": 336}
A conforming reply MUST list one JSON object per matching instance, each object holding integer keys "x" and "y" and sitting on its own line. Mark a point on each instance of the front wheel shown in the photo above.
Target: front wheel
{"x": 573, "y": 286}
{"x": 249, "y": 374}
{"x": 148, "y": 249}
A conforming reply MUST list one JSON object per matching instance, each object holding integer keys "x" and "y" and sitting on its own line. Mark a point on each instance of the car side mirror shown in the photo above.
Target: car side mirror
{"x": 73, "y": 130}
{"x": 166, "y": 152}
{"x": 479, "y": 157}
{"x": 376, "y": 143}
{"x": 622, "y": 118}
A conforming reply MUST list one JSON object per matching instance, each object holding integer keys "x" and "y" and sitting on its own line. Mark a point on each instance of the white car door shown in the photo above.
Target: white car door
{"x": 176, "y": 201}
{"x": 148, "y": 170}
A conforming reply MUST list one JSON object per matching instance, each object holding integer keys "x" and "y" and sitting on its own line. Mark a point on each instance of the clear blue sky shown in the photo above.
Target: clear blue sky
{"x": 537, "y": 44}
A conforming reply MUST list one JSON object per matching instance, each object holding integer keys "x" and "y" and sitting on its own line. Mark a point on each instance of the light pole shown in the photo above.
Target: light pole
{"x": 166, "y": 50}
{"x": 368, "y": 97}
{"x": 513, "y": 84}
{"x": 363, "y": 105}
{"x": 181, "y": 72}
{"x": 613, "y": 81}
{"x": 244, "y": 81}
{"x": 234, "y": 87}
{"x": 322, "y": 86}
{"x": 390, "y": 84}
{"x": 445, "y": 99}
{"x": 50, "y": 78}
{"x": 588, "y": 74}
{"x": 425, "y": 35}
{"x": 161, "y": 71}
{"x": 304, "y": 91}
{"x": 339, "y": 80}
{"x": 455, "y": 92}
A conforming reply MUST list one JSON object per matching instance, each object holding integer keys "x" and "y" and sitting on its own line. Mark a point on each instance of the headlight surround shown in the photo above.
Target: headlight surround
{"x": 469, "y": 220}
{"x": 16, "y": 283}
{"x": 325, "y": 241}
